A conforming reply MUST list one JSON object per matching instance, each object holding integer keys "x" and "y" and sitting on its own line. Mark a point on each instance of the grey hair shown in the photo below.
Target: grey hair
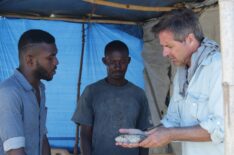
{"x": 181, "y": 23}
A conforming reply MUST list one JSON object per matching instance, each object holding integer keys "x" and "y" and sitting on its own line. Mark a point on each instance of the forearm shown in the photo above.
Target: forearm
{"x": 46, "y": 150}
{"x": 143, "y": 151}
{"x": 85, "y": 139}
{"x": 19, "y": 151}
{"x": 195, "y": 133}
{"x": 85, "y": 146}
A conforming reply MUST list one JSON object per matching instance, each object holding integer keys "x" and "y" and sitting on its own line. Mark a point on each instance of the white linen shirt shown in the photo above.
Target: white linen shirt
{"x": 203, "y": 105}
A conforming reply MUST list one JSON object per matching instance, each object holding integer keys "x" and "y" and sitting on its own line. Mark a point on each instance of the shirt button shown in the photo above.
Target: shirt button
{"x": 194, "y": 104}
{"x": 218, "y": 123}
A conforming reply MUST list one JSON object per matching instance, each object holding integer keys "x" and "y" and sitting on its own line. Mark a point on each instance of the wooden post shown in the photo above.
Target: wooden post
{"x": 75, "y": 150}
{"x": 77, "y": 20}
{"x": 130, "y": 6}
{"x": 227, "y": 50}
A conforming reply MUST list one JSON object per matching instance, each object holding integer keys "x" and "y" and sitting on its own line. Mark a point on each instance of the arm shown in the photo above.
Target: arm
{"x": 11, "y": 128}
{"x": 19, "y": 151}
{"x": 143, "y": 122}
{"x": 46, "y": 146}
{"x": 214, "y": 123}
{"x": 161, "y": 136}
{"x": 86, "y": 139}
{"x": 84, "y": 115}
{"x": 195, "y": 134}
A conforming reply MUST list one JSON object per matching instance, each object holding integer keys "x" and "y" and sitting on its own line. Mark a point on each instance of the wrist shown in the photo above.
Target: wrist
{"x": 171, "y": 134}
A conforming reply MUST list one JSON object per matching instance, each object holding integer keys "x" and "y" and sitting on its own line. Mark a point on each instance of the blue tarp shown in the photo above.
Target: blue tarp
{"x": 61, "y": 92}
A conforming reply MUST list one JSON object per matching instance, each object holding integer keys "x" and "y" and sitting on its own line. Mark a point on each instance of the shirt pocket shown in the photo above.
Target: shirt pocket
{"x": 197, "y": 105}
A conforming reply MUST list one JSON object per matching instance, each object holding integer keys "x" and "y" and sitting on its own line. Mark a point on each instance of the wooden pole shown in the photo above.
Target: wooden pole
{"x": 57, "y": 18}
{"x": 75, "y": 151}
{"x": 130, "y": 6}
{"x": 227, "y": 47}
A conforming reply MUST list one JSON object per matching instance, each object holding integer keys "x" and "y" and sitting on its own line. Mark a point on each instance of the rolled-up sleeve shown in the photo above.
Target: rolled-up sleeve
{"x": 214, "y": 123}
{"x": 11, "y": 128}
{"x": 14, "y": 143}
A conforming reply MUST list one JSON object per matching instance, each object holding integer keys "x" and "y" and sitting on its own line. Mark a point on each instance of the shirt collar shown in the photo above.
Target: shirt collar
{"x": 24, "y": 82}
{"x": 208, "y": 46}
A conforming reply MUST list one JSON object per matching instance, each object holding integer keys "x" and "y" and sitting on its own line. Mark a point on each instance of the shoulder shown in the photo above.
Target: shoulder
{"x": 213, "y": 62}
{"x": 95, "y": 85}
{"x": 9, "y": 92}
{"x": 136, "y": 88}
{"x": 9, "y": 86}
{"x": 214, "y": 56}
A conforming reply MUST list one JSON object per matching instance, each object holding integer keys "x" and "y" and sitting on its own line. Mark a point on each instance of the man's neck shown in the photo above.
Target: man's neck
{"x": 116, "y": 82}
{"x": 193, "y": 49}
{"x": 30, "y": 78}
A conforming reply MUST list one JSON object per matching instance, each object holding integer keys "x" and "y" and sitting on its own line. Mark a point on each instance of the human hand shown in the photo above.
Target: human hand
{"x": 157, "y": 137}
{"x": 127, "y": 134}
{"x": 131, "y": 131}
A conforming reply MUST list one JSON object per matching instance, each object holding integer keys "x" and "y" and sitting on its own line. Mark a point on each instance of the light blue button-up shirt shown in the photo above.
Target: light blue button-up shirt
{"x": 203, "y": 105}
{"x": 22, "y": 119}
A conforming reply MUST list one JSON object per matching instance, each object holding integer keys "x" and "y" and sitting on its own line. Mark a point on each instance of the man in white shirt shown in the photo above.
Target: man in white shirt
{"x": 195, "y": 113}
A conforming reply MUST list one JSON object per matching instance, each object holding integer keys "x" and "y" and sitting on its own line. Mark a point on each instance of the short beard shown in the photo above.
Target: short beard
{"x": 41, "y": 73}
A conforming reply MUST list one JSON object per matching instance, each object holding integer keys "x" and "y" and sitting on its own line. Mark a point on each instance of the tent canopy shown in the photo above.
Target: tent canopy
{"x": 102, "y": 10}
{"x": 68, "y": 36}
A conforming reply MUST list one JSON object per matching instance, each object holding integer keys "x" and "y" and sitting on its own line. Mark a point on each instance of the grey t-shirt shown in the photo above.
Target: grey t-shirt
{"x": 107, "y": 108}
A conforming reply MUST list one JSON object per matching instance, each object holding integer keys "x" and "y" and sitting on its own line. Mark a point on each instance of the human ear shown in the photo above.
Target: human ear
{"x": 104, "y": 60}
{"x": 29, "y": 59}
{"x": 129, "y": 60}
{"x": 190, "y": 39}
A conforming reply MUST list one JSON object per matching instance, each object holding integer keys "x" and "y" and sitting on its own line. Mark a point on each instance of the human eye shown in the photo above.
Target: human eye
{"x": 168, "y": 46}
{"x": 50, "y": 58}
{"x": 111, "y": 62}
{"x": 124, "y": 61}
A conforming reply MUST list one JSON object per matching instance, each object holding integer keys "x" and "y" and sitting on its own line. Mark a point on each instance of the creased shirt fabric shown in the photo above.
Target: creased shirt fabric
{"x": 22, "y": 119}
{"x": 185, "y": 74}
{"x": 107, "y": 108}
{"x": 202, "y": 104}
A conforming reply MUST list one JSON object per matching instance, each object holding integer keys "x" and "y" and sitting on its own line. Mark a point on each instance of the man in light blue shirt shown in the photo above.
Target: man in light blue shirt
{"x": 22, "y": 105}
{"x": 195, "y": 113}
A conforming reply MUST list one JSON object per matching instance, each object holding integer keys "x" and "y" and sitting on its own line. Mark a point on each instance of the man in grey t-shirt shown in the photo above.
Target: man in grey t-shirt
{"x": 110, "y": 104}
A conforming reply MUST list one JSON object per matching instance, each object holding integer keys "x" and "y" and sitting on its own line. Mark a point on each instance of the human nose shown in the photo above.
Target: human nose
{"x": 56, "y": 62}
{"x": 166, "y": 52}
{"x": 117, "y": 65}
